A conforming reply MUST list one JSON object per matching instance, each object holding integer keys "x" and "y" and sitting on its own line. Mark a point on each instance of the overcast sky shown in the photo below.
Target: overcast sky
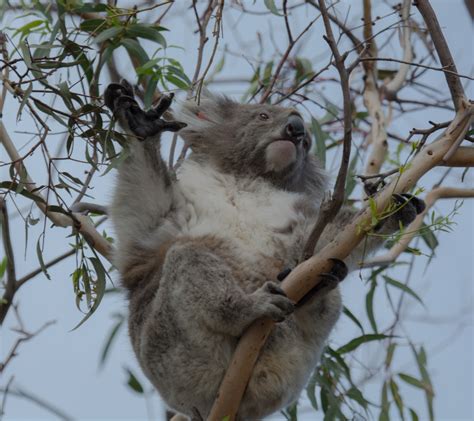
{"x": 61, "y": 366}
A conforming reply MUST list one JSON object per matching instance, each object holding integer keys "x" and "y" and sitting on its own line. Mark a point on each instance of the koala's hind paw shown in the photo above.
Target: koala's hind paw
{"x": 119, "y": 98}
{"x": 271, "y": 301}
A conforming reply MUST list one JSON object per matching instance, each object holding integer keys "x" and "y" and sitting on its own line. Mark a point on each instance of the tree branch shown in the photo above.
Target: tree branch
{"x": 392, "y": 87}
{"x": 445, "y": 57}
{"x": 462, "y": 157}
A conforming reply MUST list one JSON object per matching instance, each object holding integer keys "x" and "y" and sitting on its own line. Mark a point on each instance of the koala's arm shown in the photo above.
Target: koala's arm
{"x": 406, "y": 208}
{"x": 145, "y": 192}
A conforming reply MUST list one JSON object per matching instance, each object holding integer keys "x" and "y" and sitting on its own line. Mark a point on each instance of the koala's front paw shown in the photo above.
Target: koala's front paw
{"x": 271, "y": 301}
{"x": 119, "y": 98}
{"x": 407, "y": 209}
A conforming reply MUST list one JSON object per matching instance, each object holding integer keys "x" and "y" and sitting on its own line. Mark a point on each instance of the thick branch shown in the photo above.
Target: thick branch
{"x": 378, "y": 132}
{"x": 463, "y": 157}
{"x": 445, "y": 57}
{"x": 398, "y": 80}
{"x": 413, "y": 228}
{"x": 306, "y": 275}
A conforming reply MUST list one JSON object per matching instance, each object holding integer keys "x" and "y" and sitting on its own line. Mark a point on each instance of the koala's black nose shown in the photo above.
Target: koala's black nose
{"x": 294, "y": 128}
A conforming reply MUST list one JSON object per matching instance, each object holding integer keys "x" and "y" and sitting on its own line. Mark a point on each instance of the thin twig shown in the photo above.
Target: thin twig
{"x": 10, "y": 285}
{"x": 282, "y": 61}
{"x": 21, "y": 393}
{"x": 424, "y": 66}
{"x": 26, "y": 336}
{"x": 47, "y": 265}
{"x": 330, "y": 209}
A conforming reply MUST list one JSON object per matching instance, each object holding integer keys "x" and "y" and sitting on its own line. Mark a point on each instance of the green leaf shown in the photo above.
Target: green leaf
{"x": 385, "y": 405}
{"x": 320, "y": 137}
{"x": 78, "y": 53}
{"x": 24, "y": 100}
{"x": 133, "y": 383}
{"x": 270, "y": 5}
{"x": 351, "y": 181}
{"x": 311, "y": 392}
{"x": 150, "y": 92}
{"x": 39, "y": 253}
{"x": 428, "y": 237}
{"x": 99, "y": 289}
{"x": 176, "y": 81}
{"x": 356, "y": 395}
{"x": 91, "y": 7}
{"x": 150, "y": 32}
{"x": 390, "y": 352}
{"x": 413, "y": 381}
{"x": 414, "y": 415}
{"x": 421, "y": 361}
{"x": 3, "y": 266}
{"x": 351, "y": 316}
{"x": 25, "y": 30}
{"x": 93, "y": 25}
{"x": 403, "y": 287}
{"x": 397, "y": 398}
{"x": 136, "y": 50}
{"x": 355, "y": 343}
{"x": 108, "y": 34}
{"x": 369, "y": 305}
{"x": 112, "y": 335}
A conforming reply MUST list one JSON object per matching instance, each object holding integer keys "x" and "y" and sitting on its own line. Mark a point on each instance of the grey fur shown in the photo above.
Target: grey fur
{"x": 194, "y": 287}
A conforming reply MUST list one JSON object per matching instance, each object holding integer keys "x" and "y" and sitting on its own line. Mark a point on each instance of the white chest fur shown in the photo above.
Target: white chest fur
{"x": 257, "y": 217}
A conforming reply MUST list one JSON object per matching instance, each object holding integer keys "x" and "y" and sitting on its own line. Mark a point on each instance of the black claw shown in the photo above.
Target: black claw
{"x": 399, "y": 199}
{"x": 283, "y": 274}
{"x": 276, "y": 290}
{"x": 116, "y": 90}
{"x": 173, "y": 126}
{"x": 339, "y": 268}
{"x": 196, "y": 416}
{"x": 127, "y": 87}
{"x": 328, "y": 279}
{"x": 419, "y": 204}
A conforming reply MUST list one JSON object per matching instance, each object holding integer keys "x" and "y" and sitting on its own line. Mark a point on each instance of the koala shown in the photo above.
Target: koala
{"x": 201, "y": 253}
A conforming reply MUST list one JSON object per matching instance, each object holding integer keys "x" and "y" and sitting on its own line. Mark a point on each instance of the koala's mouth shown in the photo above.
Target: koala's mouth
{"x": 280, "y": 154}
{"x": 295, "y": 140}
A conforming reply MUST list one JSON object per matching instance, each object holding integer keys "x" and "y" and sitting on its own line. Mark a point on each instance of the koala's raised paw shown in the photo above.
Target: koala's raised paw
{"x": 119, "y": 98}
{"x": 271, "y": 301}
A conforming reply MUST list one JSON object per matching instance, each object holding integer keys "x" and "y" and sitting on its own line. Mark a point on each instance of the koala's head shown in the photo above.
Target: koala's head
{"x": 251, "y": 140}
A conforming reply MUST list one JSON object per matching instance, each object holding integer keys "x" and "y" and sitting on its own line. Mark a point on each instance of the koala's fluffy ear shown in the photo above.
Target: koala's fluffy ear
{"x": 211, "y": 112}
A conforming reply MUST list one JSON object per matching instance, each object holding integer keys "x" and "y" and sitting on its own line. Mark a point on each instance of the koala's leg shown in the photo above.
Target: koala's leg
{"x": 145, "y": 192}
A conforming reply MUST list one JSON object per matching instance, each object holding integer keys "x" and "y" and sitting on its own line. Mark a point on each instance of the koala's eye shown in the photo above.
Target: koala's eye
{"x": 263, "y": 116}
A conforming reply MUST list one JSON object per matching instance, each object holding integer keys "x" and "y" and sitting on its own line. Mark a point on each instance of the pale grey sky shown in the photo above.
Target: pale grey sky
{"x": 62, "y": 366}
